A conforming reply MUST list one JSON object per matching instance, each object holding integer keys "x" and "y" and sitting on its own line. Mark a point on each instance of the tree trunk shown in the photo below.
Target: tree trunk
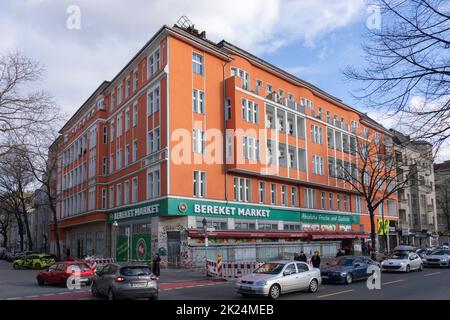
{"x": 27, "y": 226}
{"x": 5, "y": 238}
{"x": 20, "y": 226}
{"x": 55, "y": 225}
{"x": 372, "y": 234}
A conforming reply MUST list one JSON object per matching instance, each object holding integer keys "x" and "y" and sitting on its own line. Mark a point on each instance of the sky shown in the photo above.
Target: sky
{"x": 312, "y": 39}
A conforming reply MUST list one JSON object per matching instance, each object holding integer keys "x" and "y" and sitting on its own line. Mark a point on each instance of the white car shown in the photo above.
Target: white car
{"x": 403, "y": 262}
{"x": 278, "y": 277}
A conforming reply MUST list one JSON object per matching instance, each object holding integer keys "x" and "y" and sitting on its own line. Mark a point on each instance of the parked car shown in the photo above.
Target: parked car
{"x": 404, "y": 248}
{"x": 130, "y": 281}
{"x": 422, "y": 252}
{"x": 13, "y": 255}
{"x": 403, "y": 262}
{"x": 35, "y": 261}
{"x": 60, "y": 272}
{"x": 279, "y": 277}
{"x": 437, "y": 258}
{"x": 347, "y": 269}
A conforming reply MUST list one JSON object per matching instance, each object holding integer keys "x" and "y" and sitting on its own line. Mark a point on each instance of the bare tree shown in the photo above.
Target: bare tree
{"x": 42, "y": 162}
{"x": 5, "y": 219}
{"x": 443, "y": 199}
{"x": 408, "y": 66}
{"x": 15, "y": 181}
{"x": 373, "y": 176}
{"x": 24, "y": 111}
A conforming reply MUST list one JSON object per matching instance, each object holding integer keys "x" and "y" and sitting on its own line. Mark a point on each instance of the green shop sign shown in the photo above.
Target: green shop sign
{"x": 172, "y": 206}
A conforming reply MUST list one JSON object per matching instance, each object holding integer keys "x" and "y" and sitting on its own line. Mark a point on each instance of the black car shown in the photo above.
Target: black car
{"x": 347, "y": 269}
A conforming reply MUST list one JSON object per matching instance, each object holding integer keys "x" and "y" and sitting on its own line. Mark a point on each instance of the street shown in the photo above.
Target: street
{"x": 431, "y": 284}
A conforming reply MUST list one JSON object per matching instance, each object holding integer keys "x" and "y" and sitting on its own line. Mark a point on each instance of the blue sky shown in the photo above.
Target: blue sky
{"x": 313, "y": 39}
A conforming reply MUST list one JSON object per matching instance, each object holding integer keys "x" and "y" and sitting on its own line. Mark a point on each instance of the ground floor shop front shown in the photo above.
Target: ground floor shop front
{"x": 178, "y": 228}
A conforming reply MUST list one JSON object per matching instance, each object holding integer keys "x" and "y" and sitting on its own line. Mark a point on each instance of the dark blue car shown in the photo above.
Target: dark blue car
{"x": 347, "y": 269}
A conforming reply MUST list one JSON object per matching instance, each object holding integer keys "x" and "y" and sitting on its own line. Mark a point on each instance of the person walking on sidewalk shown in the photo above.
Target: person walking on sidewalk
{"x": 315, "y": 260}
{"x": 302, "y": 257}
{"x": 156, "y": 268}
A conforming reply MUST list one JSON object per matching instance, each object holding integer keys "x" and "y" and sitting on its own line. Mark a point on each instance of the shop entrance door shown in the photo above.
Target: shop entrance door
{"x": 173, "y": 248}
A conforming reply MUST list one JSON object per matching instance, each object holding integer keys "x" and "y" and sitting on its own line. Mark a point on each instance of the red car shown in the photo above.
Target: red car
{"x": 60, "y": 272}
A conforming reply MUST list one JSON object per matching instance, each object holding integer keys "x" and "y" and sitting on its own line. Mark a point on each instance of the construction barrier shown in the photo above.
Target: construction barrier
{"x": 93, "y": 262}
{"x": 231, "y": 269}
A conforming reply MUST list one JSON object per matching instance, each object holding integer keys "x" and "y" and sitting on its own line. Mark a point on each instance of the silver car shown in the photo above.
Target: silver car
{"x": 402, "y": 262}
{"x": 278, "y": 277}
{"x": 125, "y": 282}
{"x": 437, "y": 258}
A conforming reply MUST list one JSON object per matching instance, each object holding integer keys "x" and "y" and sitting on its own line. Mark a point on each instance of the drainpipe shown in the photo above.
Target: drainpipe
{"x": 224, "y": 90}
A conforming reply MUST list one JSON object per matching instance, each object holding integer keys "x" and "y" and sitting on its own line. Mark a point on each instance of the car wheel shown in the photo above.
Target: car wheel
{"x": 37, "y": 265}
{"x": 155, "y": 297}
{"x": 16, "y": 266}
{"x": 408, "y": 268}
{"x": 274, "y": 291}
{"x": 421, "y": 267}
{"x": 63, "y": 283}
{"x": 111, "y": 295}
{"x": 313, "y": 286}
{"x": 94, "y": 290}
{"x": 349, "y": 278}
{"x": 40, "y": 281}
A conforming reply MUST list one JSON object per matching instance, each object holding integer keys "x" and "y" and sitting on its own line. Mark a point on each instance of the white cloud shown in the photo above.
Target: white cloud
{"x": 112, "y": 31}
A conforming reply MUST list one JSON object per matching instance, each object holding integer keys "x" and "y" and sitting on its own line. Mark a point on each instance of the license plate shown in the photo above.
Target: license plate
{"x": 139, "y": 285}
{"x": 246, "y": 288}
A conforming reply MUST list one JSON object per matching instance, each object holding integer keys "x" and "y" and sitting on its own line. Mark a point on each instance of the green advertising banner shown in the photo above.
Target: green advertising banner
{"x": 122, "y": 248}
{"x": 141, "y": 249}
{"x": 175, "y": 206}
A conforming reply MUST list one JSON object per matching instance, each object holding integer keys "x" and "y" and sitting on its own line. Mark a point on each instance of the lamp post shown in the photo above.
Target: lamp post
{"x": 205, "y": 233}
{"x": 114, "y": 225}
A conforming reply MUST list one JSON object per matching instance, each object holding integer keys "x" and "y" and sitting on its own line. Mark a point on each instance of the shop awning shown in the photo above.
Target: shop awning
{"x": 337, "y": 235}
{"x": 276, "y": 234}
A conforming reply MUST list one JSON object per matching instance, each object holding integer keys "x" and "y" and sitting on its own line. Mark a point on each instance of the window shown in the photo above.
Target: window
{"x": 262, "y": 192}
{"x": 317, "y": 165}
{"x": 153, "y": 182}
{"x": 316, "y": 134}
{"x": 198, "y": 98}
{"x": 111, "y": 133}
{"x": 310, "y": 198}
{"x": 269, "y": 89}
{"x": 149, "y": 103}
{"x": 199, "y": 184}
{"x": 127, "y": 119}
{"x": 135, "y": 114}
{"x": 294, "y": 196}
{"x": 111, "y": 197}
{"x": 273, "y": 193}
{"x": 199, "y": 141}
{"x": 111, "y": 164}
{"x": 197, "y": 63}
{"x": 119, "y": 159}
{"x": 250, "y": 111}
{"x": 134, "y": 157}
{"x": 267, "y": 226}
{"x": 228, "y": 109}
{"x": 244, "y": 225}
{"x": 241, "y": 189}
{"x": 127, "y": 88}
{"x": 135, "y": 78}
{"x": 119, "y": 93}
{"x": 302, "y": 159}
{"x": 284, "y": 195}
{"x": 134, "y": 191}
{"x": 126, "y": 192}
{"x": 119, "y": 195}
{"x": 91, "y": 198}
{"x": 105, "y": 134}
{"x": 127, "y": 154}
{"x": 323, "y": 201}
{"x": 105, "y": 166}
{"x": 346, "y": 203}
{"x": 331, "y": 199}
{"x": 151, "y": 67}
{"x": 291, "y": 226}
{"x": 119, "y": 125}
{"x": 358, "y": 204}
{"x": 251, "y": 148}
{"x": 338, "y": 200}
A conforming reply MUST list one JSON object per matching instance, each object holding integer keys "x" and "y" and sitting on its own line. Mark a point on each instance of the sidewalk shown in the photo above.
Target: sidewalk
{"x": 173, "y": 275}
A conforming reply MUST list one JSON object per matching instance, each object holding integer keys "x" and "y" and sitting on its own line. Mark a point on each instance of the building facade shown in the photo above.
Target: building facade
{"x": 442, "y": 183}
{"x": 193, "y": 135}
{"x": 417, "y": 200}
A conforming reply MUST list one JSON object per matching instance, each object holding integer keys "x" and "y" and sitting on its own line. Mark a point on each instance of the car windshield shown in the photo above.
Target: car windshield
{"x": 82, "y": 266}
{"x": 440, "y": 252}
{"x": 400, "y": 256}
{"x": 342, "y": 262}
{"x": 270, "y": 268}
{"x": 136, "y": 271}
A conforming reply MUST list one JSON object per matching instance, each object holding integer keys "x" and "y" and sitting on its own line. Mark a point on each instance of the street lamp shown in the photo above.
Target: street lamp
{"x": 205, "y": 233}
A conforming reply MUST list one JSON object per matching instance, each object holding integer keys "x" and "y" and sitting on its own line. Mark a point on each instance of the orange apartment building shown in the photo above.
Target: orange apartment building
{"x": 128, "y": 189}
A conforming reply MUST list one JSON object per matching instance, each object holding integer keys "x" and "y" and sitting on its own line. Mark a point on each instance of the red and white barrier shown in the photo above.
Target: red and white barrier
{"x": 93, "y": 262}
{"x": 231, "y": 269}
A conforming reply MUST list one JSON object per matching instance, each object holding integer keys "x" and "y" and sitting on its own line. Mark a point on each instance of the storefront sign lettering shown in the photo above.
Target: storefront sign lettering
{"x": 152, "y": 209}
{"x": 230, "y": 211}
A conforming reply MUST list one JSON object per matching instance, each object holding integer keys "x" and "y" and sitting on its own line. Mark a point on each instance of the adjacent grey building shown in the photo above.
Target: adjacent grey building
{"x": 417, "y": 200}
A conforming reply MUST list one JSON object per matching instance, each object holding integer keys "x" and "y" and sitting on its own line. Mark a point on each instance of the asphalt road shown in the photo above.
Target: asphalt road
{"x": 430, "y": 284}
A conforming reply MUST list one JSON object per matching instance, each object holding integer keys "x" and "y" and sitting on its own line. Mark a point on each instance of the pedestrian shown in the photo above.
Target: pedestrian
{"x": 340, "y": 253}
{"x": 315, "y": 260}
{"x": 156, "y": 269}
{"x": 302, "y": 257}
